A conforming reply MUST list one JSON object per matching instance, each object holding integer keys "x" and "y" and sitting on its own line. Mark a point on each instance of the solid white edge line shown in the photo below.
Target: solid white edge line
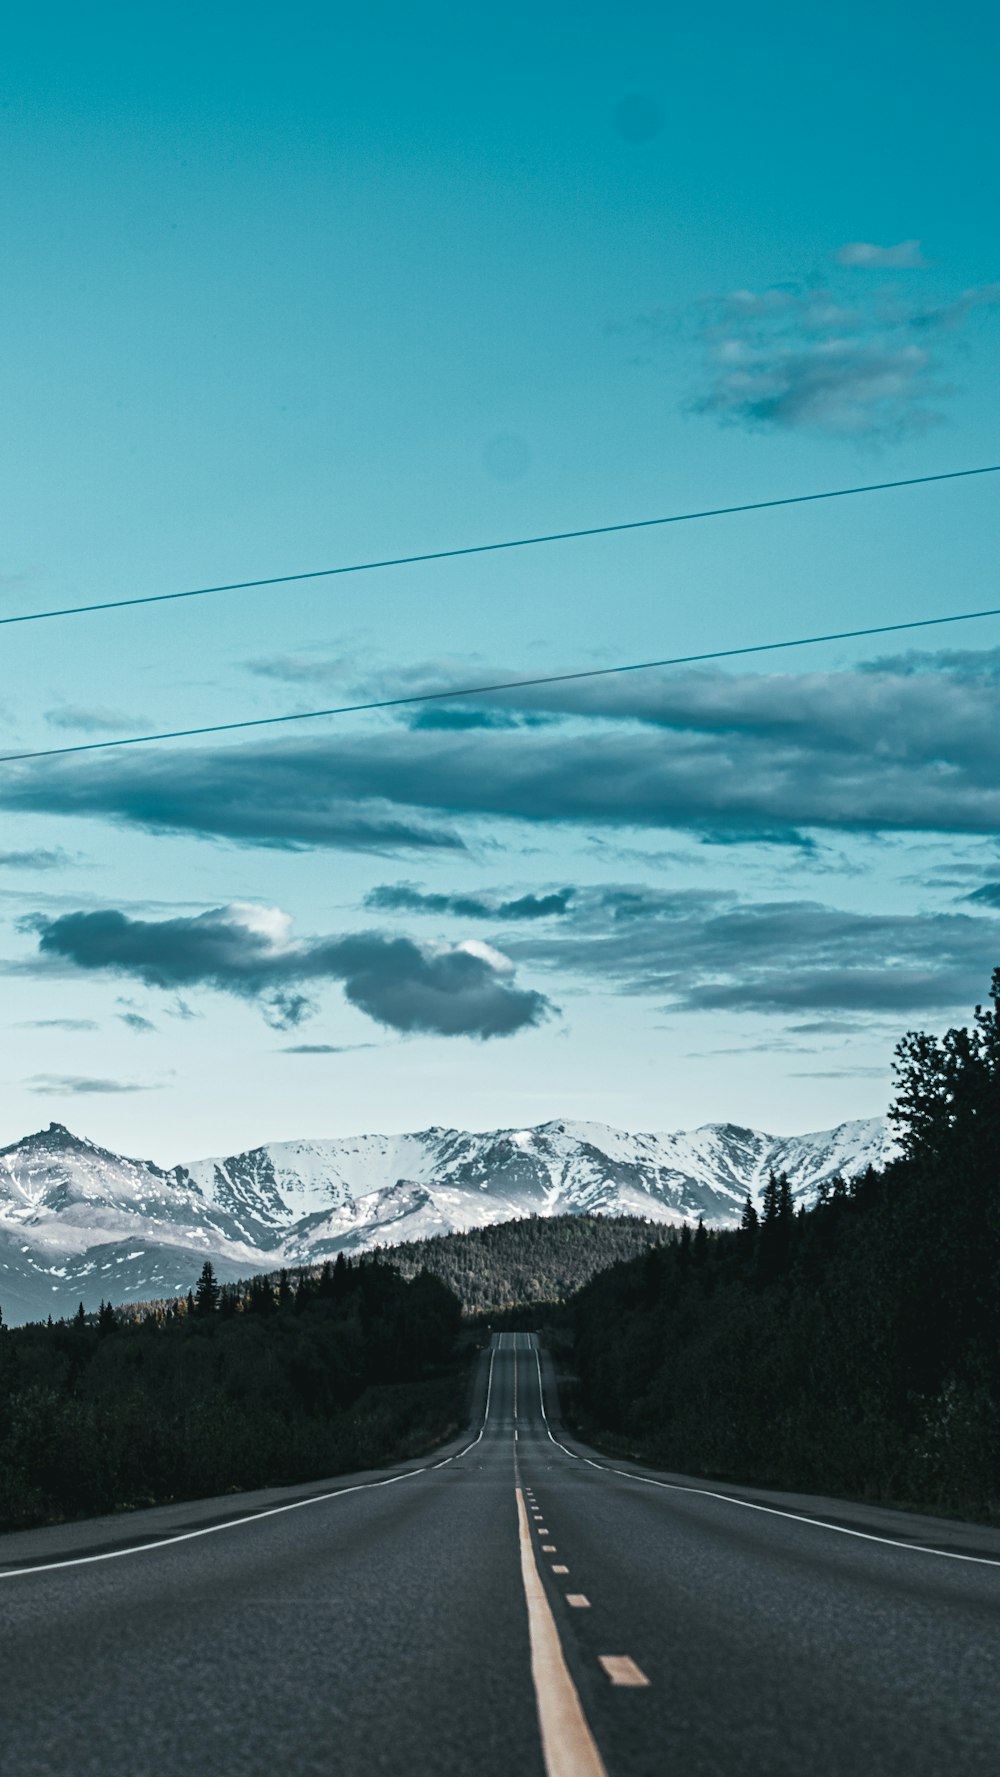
{"x": 752, "y": 1505}
{"x": 315, "y": 1499}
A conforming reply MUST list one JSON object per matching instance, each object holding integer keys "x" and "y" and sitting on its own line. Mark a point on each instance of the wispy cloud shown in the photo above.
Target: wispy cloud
{"x": 703, "y": 950}
{"x": 326, "y": 1048}
{"x": 904, "y": 256}
{"x": 841, "y": 1073}
{"x": 59, "y": 1024}
{"x": 464, "y": 989}
{"x": 856, "y": 362}
{"x": 79, "y": 719}
{"x": 987, "y": 896}
{"x": 36, "y": 859}
{"x": 137, "y": 1023}
{"x": 847, "y": 386}
{"x": 75, "y": 1085}
{"x": 403, "y": 897}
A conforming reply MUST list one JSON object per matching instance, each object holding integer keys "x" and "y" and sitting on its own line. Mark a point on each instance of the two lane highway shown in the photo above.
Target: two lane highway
{"x": 515, "y": 1603}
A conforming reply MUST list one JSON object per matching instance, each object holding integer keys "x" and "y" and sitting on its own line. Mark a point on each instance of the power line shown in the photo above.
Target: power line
{"x": 596, "y": 672}
{"x": 409, "y": 561}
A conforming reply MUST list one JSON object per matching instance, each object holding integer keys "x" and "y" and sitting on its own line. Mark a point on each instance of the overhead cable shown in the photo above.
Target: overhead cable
{"x": 468, "y": 691}
{"x": 432, "y": 555}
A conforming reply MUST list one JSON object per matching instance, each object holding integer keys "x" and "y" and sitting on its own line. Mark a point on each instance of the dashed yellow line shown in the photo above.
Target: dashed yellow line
{"x": 568, "y": 1746}
{"x": 622, "y": 1670}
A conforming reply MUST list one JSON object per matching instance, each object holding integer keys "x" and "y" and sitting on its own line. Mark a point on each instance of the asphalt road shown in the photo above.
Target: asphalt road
{"x": 516, "y": 1605}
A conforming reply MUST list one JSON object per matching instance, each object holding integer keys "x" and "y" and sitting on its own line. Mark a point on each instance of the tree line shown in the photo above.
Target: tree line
{"x": 851, "y": 1348}
{"x": 239, "y": 1385}
{"x": 537, "y": 1260}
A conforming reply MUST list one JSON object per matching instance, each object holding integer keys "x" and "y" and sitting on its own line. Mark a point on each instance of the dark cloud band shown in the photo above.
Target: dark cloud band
{"x": 705, "y": 951}
{"x": 400, "y": 898}
{"x": 445, "y": 990}
{"x": 734, "y": 757}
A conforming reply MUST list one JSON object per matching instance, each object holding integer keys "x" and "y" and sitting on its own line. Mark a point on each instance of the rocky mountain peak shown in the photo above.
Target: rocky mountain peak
{"x": 77, "y": 1220}
{"x": 53, "y": 1140}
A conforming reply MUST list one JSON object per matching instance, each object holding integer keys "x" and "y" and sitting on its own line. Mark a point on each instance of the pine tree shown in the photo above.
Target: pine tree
{"x": 341, "y": 1280}
{"x": 786, "y": 1208}
{"x": 207, "y": 1291}
{"x": 774, "y": 1242}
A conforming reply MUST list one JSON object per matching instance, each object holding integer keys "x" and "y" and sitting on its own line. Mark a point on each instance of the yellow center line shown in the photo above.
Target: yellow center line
{"x": 621, "y": 1670}
{"x": 568, "y": 1746}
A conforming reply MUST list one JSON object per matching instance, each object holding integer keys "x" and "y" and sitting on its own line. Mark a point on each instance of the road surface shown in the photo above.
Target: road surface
{"x": 514, "y": 1604}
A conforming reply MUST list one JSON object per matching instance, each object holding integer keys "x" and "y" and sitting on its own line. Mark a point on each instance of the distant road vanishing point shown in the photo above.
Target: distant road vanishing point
{"x": 513, "y": 1604}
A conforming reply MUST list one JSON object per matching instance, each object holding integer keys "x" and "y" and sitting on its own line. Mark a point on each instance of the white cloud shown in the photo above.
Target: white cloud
{"x": 904, "y": 256}
{"x": 853, "y": 360}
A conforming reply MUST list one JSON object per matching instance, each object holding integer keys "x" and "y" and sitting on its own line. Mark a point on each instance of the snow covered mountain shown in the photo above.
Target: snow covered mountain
{"x": 79, "y": 1222}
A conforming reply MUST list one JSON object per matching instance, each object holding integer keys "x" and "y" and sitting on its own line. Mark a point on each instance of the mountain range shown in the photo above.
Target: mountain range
{"x": 79, "y": 1223}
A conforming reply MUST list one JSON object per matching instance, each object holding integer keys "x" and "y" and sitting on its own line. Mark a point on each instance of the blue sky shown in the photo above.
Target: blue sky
{"x": 287, "y": 289}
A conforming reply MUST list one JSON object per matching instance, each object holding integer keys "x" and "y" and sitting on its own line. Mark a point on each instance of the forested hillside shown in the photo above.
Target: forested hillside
{"x": 494, "y": 1270}
{"x": 854, "y": 1348}
{"x": 241, "y": 1386}
{"x": 536, "y": 1259}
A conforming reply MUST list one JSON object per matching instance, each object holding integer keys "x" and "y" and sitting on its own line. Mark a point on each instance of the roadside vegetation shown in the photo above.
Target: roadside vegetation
{"x": 242, "y": 1385}
{"x": 281, "y": 1379}
{"x": 851, "y": 1349}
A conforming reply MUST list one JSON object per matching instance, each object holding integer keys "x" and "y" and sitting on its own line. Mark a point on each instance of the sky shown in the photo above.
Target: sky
{"x": 293, "y": 288}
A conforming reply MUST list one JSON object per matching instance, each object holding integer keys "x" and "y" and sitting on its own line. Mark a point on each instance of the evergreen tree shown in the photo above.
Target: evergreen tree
{"x": 786, "y": 1208}
{"x": 749, "y": 1228}
{"x": 774, "y": 1242}
{"x": 206, "y": 1296}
